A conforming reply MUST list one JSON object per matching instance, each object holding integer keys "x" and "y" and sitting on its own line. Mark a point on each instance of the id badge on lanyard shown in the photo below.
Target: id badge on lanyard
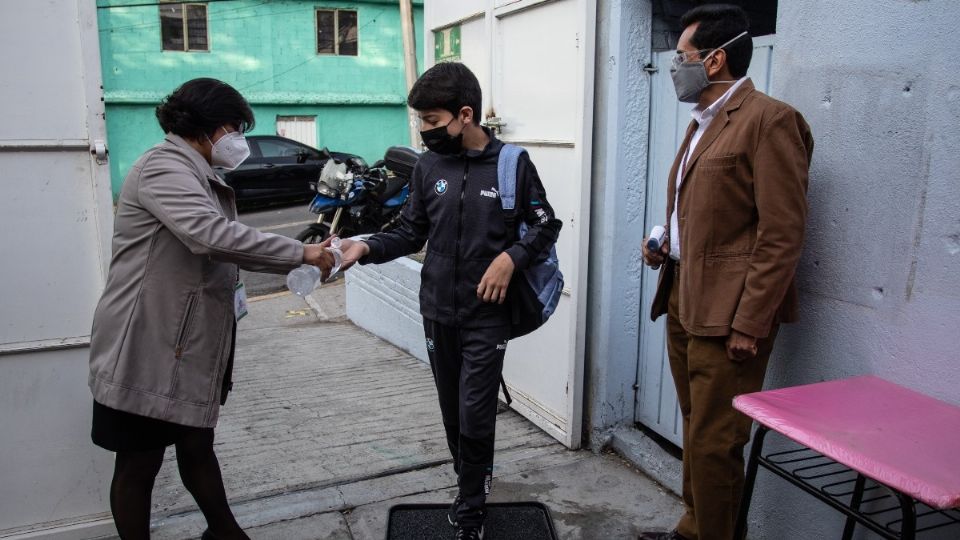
{"x": 240, "y": 301}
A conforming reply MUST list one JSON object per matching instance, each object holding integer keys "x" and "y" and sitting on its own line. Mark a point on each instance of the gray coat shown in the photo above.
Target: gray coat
{"x": 162, "y": 331}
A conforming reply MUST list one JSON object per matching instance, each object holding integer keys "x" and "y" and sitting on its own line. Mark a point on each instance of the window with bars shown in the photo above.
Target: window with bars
{"x": 183, "y": 27}
{"x": 337, "y": 32}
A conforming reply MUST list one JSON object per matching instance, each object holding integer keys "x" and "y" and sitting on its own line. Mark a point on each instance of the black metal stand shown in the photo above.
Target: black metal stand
{"x": 863, "y": 501}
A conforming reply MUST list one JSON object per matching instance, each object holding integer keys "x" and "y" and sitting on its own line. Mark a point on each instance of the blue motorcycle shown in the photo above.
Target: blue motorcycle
{"x": 355, "y": 199}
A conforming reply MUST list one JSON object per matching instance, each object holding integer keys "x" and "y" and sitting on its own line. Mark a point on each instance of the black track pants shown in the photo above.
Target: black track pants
{"x": 466, "y": 364}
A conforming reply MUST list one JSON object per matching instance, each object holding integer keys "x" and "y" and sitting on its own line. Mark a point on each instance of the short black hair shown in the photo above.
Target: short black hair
{"x": 449, "y": 86}
{"x": 201, "y": 106}
{"x": 720, "y": 23}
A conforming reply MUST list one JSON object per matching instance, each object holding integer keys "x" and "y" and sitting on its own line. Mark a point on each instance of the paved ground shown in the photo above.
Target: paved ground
{"x": 329, "y": 426}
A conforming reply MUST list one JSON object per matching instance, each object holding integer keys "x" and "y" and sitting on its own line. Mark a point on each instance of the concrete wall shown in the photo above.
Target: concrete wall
{"x": 267, "y": 50}
{"x": 621, "y": 119}
{"x": 384, "y": 299}
{"x": 879, "y": 277}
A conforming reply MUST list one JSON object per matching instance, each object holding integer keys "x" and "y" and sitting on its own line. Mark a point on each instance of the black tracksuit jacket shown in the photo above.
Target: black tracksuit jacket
{"x": 455, "y": 208}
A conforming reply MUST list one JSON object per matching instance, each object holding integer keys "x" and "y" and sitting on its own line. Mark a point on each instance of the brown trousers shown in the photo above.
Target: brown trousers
{"x": 714, "y": 433}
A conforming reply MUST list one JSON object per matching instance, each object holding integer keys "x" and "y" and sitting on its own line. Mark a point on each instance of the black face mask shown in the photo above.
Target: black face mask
{"x": 439, "y": 140}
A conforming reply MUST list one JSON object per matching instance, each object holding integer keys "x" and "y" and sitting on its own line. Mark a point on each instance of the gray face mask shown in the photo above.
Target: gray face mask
{"x": 690, "y": 78}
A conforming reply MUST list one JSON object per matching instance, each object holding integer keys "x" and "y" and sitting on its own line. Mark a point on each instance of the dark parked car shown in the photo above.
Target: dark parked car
{"x": 278, "y": 170}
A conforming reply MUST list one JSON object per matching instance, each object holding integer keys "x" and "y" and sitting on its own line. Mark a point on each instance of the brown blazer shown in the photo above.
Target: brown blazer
{"x": 742, "y": 215}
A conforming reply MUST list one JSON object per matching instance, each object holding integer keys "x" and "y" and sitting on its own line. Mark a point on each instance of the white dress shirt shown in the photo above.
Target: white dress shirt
{"x": 703, "y": 117}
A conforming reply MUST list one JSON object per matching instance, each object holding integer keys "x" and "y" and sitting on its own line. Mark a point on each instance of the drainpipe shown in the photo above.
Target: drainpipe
{"x": 410, "y": 64}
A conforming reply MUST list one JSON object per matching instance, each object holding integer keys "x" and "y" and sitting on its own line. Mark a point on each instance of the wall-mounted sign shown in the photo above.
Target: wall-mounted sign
{"x": 446, "y": 44}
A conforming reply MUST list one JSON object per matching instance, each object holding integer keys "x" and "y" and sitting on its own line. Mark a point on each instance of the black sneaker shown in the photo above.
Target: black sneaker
{"x": 452, "y": 511}
{"x": 470, "y": 533}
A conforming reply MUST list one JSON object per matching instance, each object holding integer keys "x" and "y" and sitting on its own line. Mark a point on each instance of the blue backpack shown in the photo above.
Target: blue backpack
{"x": 535, "y": 292}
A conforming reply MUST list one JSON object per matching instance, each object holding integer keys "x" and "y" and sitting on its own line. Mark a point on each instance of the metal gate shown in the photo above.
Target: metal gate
{"x": 534, "y": 60}
{"x": 299, "y": 128}
{"x": 656, "y": 405}
{"x": 57, "y": 222}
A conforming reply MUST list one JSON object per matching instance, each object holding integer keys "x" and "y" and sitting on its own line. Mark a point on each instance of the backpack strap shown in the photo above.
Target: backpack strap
{"x": 507, "y": 175}
{"x": 507, "y": 183}
{"x": 506, "y": 393}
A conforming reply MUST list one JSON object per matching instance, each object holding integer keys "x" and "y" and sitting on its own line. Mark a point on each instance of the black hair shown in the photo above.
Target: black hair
{"x": 720, "y": 23}
{"x": 449, "y": 86}
{"x": 201, "y": 106}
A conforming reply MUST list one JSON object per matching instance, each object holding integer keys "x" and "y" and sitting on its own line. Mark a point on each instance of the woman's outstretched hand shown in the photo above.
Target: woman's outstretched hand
{"x": 317, "y": 255}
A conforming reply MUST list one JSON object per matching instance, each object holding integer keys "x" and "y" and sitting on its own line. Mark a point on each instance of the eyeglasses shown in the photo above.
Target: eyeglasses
{"x": 684, "y": 56}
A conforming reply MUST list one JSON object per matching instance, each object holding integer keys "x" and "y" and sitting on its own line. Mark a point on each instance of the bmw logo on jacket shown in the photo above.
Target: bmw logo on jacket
{"x": 455, "y": 209}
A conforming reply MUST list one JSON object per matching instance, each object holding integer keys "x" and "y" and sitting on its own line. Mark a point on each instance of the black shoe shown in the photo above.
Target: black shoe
{"x": 470, "y": 533}
{"x": 452, "y": 511}
{"x": 660, "y": 535}
{"x": 207, "y": 535}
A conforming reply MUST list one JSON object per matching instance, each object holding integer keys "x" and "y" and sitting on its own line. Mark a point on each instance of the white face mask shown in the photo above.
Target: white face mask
{"x": 229, "y": 151}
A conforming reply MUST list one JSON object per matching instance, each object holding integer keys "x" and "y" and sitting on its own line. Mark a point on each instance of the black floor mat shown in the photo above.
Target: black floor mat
{"x": 505, "y": 521}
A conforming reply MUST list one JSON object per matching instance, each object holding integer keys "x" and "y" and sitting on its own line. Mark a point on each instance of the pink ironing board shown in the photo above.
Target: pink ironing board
{"x": 893, "y": 435}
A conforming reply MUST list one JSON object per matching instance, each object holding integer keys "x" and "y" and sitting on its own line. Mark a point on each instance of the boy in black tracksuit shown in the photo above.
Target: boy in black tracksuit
{"x": 472, "y": 254}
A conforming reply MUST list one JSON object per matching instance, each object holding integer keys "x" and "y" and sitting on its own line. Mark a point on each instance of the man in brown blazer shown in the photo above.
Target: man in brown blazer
{"x": 736, "y": 214}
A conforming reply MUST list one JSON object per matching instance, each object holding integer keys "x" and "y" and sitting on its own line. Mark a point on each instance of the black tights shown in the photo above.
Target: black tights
{"x": 134, "y": 475}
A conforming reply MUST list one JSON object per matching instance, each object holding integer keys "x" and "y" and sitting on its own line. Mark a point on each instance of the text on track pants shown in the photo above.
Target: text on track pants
{"x": 466, "y": 364}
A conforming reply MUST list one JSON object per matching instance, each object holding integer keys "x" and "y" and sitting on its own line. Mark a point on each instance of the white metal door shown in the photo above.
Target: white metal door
{"x": 534, "y": 59}
{"x": 657, "y": 406}
{"x": 299, "y": 128}
{"x": 55, "y": 240}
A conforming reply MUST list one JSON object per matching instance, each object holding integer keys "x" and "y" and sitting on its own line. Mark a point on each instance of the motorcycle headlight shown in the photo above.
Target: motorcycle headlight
{"x": 327, "y": 191}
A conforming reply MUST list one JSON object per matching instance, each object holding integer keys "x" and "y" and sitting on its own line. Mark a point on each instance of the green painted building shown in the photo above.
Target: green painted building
{"x": 327, "y": 73}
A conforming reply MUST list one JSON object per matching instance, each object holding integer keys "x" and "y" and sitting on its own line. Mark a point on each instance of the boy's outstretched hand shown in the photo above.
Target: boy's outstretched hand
{"x": 353, "y": 251}
{"x": 493, "y": 286}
